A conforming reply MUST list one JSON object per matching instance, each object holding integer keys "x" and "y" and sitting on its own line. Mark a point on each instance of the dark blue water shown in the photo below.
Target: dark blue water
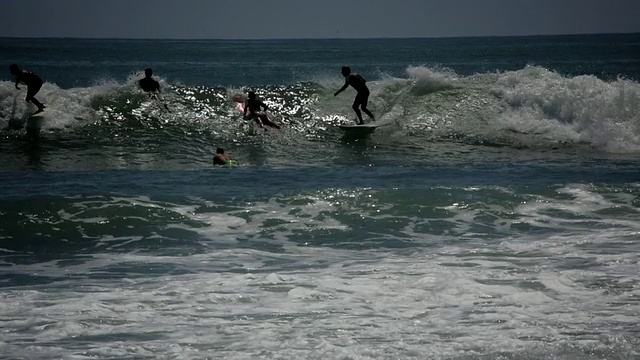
{"x": 79, "y": 63}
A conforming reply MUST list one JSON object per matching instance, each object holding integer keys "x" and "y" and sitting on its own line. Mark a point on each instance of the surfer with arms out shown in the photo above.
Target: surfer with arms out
{"x": 33, "y": 82}
{"x": 257, "y": 111}
{"x": 362, "y": 98}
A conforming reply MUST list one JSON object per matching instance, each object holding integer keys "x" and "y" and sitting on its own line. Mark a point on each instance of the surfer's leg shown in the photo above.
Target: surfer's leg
{"x": 366, "y": 111}
{"x": 32, "y": 90}
{"x": 38, "y": 104}
{"x": 356, "y": 108}
{"x": 364, "y": 102}
{"x": 265, "y": 120}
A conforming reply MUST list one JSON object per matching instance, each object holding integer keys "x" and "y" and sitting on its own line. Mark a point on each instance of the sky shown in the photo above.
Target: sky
{"x": 286, "y": 19}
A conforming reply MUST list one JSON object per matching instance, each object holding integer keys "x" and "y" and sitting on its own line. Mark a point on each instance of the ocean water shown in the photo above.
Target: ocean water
{"x": 494, "y": 214}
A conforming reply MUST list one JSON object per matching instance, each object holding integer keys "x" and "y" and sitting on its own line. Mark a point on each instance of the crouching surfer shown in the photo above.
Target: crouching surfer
{"x": 33, "y": 82}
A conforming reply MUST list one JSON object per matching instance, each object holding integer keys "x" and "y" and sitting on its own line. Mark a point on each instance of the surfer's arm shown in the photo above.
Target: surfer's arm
{"x": 17, "y": 81}
{"x": 346, "y": 84}
{"x": 246, "y": 107}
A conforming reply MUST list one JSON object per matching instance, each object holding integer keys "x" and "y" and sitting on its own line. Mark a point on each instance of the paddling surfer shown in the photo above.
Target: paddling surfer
{"x": 220, "y": 158}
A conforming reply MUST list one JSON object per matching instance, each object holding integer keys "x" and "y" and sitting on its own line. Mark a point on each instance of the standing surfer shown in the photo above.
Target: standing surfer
{"x": 362, "y": 98}
{"x": 33, "y": 82}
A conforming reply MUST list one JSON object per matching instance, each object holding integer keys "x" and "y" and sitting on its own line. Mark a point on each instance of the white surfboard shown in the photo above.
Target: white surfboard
{"x": 364, "y": 127}
{"x": 37, "y": 116}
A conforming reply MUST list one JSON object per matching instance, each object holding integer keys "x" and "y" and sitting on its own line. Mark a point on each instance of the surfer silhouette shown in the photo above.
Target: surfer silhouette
{"x": 362, "y": 98}
{"x": 148, "y": 84}
{"x": 257, "y": 111}
{"x": 33, "y": 82}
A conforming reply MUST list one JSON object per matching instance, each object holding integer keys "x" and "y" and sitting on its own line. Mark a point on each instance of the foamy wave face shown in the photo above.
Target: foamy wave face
{"x": 583, "y": 108}
{"x": 532, "y": 107}
{"x": 431, "y": 80}
{"x": 429, "y": 74}
{"x": 64, "y": 107}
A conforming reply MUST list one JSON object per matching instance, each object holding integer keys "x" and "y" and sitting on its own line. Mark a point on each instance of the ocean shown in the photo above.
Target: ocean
{"x": 494, "y": 214}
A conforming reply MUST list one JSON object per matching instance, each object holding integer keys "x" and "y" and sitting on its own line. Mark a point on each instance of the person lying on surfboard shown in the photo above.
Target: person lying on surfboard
{"x": 220, "y": 158}
{"x": 33, "y": 82}
{"x": 257, "y": 111}
{"x": 362, "y": 98}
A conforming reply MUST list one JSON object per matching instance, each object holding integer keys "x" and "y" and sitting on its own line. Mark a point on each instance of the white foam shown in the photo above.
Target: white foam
{"x": 534, "y": 105}
{"x": 364, "y": 304}
{"x": 449, "y": 299}
{"x": 65, "y": 107}
{"x": 581, "y": 108}
{"x": 442, "y": 76}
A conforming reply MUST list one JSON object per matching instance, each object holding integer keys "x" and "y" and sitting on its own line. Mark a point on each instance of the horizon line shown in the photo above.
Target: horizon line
{"x": 313, "y": 38}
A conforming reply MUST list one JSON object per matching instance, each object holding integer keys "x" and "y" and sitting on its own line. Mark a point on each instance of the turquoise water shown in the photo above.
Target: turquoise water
{"x": 493, "y": 215}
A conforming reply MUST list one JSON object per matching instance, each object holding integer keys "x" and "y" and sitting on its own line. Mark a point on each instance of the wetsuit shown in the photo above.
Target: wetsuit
{"x": 148, "y": 84}
{"x": 254, "y": 111}
{"x": 359, "y": 84}
{"x": 33, "y": 82}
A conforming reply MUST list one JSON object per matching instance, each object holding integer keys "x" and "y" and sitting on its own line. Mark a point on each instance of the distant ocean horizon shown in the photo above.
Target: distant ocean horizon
{"x": 493, "y": 214}
{"x": 321, "y": 38}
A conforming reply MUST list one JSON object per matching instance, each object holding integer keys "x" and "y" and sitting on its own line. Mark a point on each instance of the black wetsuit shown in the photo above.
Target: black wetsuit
{"x": 148, "y": 84}
{"x": 255, "y": 106}
{"x": 254, "y": 109}
{"x": 33, "y": 82}
{"x": 359, "y": 84}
